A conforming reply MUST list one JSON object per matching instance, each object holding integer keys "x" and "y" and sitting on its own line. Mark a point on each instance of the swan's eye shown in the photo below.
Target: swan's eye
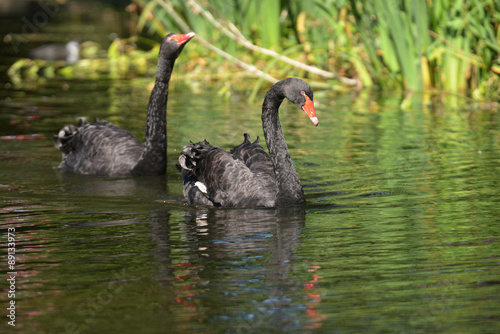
{"x": 303, "y": 93}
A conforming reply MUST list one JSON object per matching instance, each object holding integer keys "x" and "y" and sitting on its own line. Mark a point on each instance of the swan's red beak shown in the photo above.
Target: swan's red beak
{"x": 309, "y": 110}
{"x": 182, "y": 38}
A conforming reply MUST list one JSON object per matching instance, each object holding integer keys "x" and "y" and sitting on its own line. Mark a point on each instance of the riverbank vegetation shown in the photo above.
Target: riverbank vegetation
{"x": 415, "y": 46}
{"x": 399, "y": 44}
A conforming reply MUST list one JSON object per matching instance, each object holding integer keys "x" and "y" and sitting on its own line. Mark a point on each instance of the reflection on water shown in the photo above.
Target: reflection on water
{"x": 151, "y": 186}
{"x": 222, "y": 258}
{"x": 400, "y": 233}
{"x": 250, "y": 233}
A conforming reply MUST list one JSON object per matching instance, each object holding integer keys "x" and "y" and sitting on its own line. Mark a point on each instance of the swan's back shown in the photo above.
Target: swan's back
{"x": 254, "y": 156}
{"x": 100, "y": 149}
{"x": 213, "y": 176}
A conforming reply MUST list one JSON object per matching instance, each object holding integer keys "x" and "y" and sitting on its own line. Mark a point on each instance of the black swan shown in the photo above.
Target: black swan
{"x": 246, "y": 176}
{"x": 104, "y": 149}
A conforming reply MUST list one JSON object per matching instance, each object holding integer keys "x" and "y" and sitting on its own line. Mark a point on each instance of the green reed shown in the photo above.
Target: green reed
{"x": 412, "y": 45}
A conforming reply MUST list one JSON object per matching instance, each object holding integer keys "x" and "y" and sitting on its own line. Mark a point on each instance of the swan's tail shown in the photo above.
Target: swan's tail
{"x": 191, "y": 157}
{"x": 63, "y": 139}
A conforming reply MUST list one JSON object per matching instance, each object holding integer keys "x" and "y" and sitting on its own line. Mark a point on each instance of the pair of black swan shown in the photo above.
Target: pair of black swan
{"x": 244, "y": 177}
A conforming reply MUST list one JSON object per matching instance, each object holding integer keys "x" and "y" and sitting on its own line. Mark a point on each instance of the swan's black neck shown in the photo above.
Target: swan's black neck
{"x": 290, "y": 191}
{"x": 154, "y": 156}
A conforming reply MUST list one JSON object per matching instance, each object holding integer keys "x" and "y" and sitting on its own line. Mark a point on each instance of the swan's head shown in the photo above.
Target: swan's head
{"x": 301, "y": 94}
{"x": 173, "y": 44}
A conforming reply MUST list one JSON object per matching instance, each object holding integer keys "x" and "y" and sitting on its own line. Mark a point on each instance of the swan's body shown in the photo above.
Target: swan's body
{"x": 247, "y": 176}
{"x": 104, "y": 149}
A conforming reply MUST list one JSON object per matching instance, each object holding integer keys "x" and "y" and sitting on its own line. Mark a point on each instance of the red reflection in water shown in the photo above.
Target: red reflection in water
{"x": 314, "y": 295}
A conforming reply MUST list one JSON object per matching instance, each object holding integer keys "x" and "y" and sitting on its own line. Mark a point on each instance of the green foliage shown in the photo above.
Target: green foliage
{"x": 414, "y": 45}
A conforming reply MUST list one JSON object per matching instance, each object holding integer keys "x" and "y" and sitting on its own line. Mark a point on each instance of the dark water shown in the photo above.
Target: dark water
{"x": 400, "y": 234}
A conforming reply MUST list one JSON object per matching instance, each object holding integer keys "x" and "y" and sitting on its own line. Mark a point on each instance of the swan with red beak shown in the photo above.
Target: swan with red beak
{"x": 104, "y": 149}
{"x": 247, "y": 176}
